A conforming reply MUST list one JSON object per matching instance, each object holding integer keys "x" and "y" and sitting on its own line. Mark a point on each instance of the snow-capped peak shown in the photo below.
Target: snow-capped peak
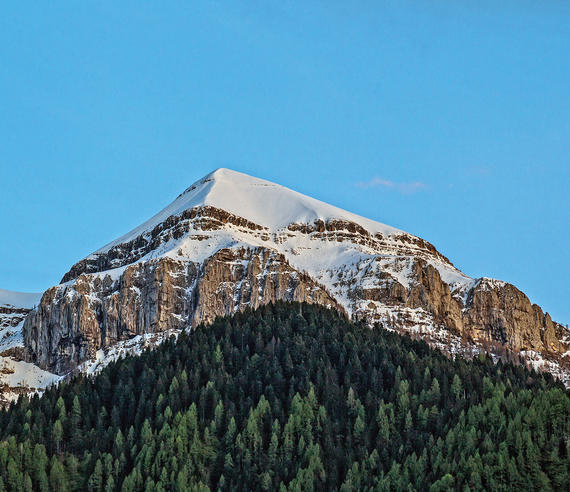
{"x": 265, "y": 203}
{"x": 232, "y": 241}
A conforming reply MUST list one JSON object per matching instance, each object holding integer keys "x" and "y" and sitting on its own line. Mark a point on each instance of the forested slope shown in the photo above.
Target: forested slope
{"x": 291, "y": 397}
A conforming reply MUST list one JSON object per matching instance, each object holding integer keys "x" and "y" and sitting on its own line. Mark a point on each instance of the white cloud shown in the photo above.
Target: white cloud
{"x": 403, "y": 188}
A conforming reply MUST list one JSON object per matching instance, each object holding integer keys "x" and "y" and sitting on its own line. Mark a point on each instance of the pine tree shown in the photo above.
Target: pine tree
{"x": 95, "y": 483}
{"x": 57, "y": 436}
{"x": 456, "y": 388}
{"x": 57, "y": 476}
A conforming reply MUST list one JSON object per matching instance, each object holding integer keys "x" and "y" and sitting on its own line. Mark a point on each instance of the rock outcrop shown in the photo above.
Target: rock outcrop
{"x": 489, "y": 311}
{"x": 500, "y": 312}
{"x": 11, "y": 316}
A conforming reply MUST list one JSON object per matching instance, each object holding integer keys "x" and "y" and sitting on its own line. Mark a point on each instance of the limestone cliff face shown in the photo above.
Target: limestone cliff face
{"x": 232, "y": 280}
{"x": 499, "y": 311}
{"x": 490, "y": 310}
{"x": 203, "y": 219}
{"x": 96, "y": 311}
{"x": 73, "y": 321}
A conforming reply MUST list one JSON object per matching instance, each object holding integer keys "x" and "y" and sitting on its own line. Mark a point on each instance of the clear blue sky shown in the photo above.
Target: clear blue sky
{"x": 452, "y": 123}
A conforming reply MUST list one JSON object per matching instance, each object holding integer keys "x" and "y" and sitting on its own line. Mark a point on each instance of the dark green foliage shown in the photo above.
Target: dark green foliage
{"x": 284, "y": 398}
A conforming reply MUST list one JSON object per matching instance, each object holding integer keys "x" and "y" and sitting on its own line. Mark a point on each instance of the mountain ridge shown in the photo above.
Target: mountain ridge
{"x": 238, "y": 197}
{"x": 245, "y": 196}
{"x": 231, "y": 241}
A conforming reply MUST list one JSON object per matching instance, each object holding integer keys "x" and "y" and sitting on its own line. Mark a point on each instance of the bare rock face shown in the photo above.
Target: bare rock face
{"x": 205, "y": 218}
{"x": 11, "y": 320}
{"x": 233, "y": 280}
{"x": 431, "y": 293}
{"x": 491, "y": 310}
{"x": 74, "y": 321}
{"x": 499, "y": 311}
{"x": 96, "y": 311}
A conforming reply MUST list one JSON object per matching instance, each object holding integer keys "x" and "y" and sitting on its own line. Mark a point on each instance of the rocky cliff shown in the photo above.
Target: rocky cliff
{"x": 96, "y": 311}
{"x": 231, "y": 241}
{"x": 488, "y": 311}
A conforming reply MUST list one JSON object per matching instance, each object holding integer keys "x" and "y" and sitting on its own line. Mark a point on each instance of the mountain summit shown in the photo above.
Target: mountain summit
{"x": 232, "y": 241}
{"x": 234, "y": 207}
{"x": 265, "y": 203}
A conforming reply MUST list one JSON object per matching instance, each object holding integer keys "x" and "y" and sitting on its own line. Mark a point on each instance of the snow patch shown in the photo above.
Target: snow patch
{"x": 23, "y": 377}
{"x": 133, "y": 346}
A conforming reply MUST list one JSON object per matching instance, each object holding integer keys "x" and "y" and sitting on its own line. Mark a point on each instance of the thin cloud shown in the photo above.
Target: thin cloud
{"x": 403, "y": 188}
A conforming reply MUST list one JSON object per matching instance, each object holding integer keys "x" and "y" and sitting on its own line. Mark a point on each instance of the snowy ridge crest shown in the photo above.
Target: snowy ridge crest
{"x": 260, "y": 201}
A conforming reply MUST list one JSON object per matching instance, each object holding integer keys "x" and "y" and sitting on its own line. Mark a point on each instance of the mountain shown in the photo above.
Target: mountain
{"x": 232, "y": 241}
{"x": 291, "y": 397}
{"x": 14, "y": 307}
{"x": 16, "y": 375}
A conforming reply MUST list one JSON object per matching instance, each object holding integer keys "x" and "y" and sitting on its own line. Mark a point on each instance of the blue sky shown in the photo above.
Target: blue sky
{"x": 450, "y": 122}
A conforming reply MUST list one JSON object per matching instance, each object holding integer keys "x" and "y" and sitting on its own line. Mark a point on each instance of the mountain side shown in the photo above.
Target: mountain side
{"x": 14, "y": 307}
{"x": 231, "y": 241}
{"x": 75, "y": 321}
{"x": 16, "y": 375}
{"x": 292, "y": 397}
